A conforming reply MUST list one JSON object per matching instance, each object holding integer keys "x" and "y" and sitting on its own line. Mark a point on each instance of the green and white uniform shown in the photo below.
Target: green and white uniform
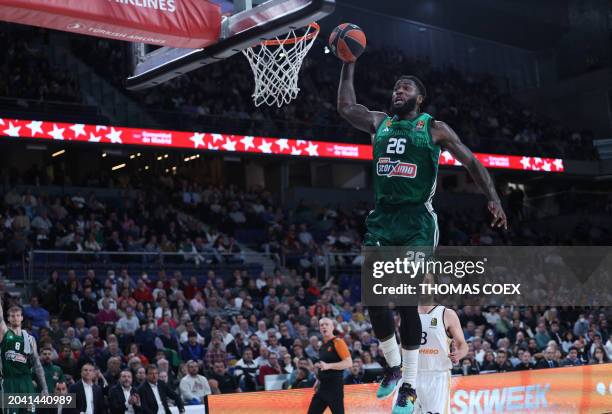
{"x": 405, "y": 171}
{"x": 16, "y": 367}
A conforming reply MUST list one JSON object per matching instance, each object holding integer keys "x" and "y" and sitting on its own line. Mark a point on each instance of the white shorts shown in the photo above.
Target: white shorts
{"x": 433, "y": 392}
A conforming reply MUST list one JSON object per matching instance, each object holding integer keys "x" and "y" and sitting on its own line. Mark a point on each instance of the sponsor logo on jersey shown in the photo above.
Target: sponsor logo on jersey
{"x": 388, "y": 168}
{"x": 429, "y": 351}
{"x": 15, "y": 357}
{"x": 434, "y": 322}
{"x": 420, "y": 125}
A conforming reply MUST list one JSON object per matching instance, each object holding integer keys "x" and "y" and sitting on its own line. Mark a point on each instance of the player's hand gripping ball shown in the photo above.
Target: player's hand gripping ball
{"x": 347, "y": 42}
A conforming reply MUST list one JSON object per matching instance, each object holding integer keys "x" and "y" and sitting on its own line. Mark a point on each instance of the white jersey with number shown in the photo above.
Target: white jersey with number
{"x": 435, "y": 343}
{"x": 434, "y": 378}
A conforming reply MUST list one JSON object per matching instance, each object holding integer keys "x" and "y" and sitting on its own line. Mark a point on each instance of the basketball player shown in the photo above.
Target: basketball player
{"x": 18, "y": 354}
{"x": 441, "y": 326}
{"x": 406, "y": 148}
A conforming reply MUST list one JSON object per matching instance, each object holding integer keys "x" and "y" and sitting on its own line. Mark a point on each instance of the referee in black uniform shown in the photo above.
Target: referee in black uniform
{"x": 334, "y": 357}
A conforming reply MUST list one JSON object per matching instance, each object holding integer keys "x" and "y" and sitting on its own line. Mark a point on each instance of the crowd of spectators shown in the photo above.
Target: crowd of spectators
{"x": 226, "y": 335}
{"x": 485, "y": 117}
{"x": 209, "y": 223}
{"x": 26, "y": 72}
{"x": 223, "y": 333}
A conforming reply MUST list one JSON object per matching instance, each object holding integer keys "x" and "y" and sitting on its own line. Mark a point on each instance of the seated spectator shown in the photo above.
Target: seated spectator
{"x": 272, "y": 367}
{"x": 192, "y": 350}
{"x": 303, "y": 379}
{"x": 153, "y": 391}
{"x": 502, "y": 362}
{"x": 194, "y": 387}
{"x": 39, "y": 316}
{"x": 572, "y": 358}
{"x": 312, "y": 350}
{"x": 215, "y": 353}
{"x": 123, "y": 397}
{"x": 245, "y": 371}
{"x": 355, "y": 375}
{"x": 129, "y": 323}
{"x": 549, "y": 360}
{"x": 525, "y": 363}
{"x": 113, "y": 371}
{"x": 599, "y": 356}
{"x": 223, "y": 383}
{"x": 369, "y": 363}
{"x": 303, "y": 363}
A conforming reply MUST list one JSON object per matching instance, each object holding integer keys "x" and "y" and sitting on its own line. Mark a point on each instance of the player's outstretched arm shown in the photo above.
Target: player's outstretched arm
{"x": 38, "y": 369}
{"x": 453, "y": 328}
{"x": 357, "y": 115}
{"x": 3, "y": 326}
{"x": 444, "y": 136}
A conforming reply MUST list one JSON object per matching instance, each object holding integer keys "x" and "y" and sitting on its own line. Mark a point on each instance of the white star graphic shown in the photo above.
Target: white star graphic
{"x": 13, "y": 130}
{"x": 93, "y": 138}
{"x": 265, "y": 147}
{"x": 546, "y": 166}
{"x": 312, "y": 150}
{"x": 35, "y": 127}
{"x": 212, "y": 147}
{"x": 457, "y": 163}
{"x": 217, "y": 137}
{"x": 229, "y": 145}
{"x": 282, "y": 144}
{"x": 99, "y": 127}
{"x": 247, "y": 142}
{"x": 537, "y": 160}
{"x": 526, "y": 163}
{"x": 1, "y": 121}
{"x": 447, "y": 156}
{"x": 300, "y": 142}
{"x": 78, "y": 129}
{"x": 296, "y": 151}
{"x": 558, "y": 163}
{"x": 114, "y": 136}
{"x": 57, "y": 133}
{"x": 198, "y": 140}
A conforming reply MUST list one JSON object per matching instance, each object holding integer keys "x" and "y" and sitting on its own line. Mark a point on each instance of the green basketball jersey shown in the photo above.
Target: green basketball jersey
{"x": 14, "y": 361}
{"x": 405, "y": 161}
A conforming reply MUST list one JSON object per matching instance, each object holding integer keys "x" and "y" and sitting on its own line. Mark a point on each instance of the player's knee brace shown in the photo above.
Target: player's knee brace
{"x": 382, "y": 320}
{"x": 410, "y": 327}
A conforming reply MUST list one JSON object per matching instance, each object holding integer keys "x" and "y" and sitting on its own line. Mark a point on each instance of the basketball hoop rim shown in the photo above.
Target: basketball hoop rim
{"x": 294, "y": 40}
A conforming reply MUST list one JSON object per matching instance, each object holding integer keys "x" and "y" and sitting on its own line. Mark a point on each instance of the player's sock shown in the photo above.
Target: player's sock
{"x": 391, "y": 352}
{"x": 409, "y": 366}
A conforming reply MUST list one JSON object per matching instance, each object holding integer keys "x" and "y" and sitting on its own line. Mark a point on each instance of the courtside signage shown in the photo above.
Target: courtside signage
{"x": 60, "y": 131}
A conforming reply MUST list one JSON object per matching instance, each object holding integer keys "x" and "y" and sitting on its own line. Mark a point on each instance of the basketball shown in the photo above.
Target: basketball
{"x": 347, "y": 42}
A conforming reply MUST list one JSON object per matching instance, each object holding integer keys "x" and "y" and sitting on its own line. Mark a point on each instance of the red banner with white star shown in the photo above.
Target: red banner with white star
{"x": 19, "y": 128}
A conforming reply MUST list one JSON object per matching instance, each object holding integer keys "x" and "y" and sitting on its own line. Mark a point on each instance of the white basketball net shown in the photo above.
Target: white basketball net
{"x": 276, "y": 64}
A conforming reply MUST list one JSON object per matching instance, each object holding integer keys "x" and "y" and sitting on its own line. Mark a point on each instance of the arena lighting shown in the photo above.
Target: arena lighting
{"x": 230, "y": 143}
{"x": 58, "y": 153}
{"x": 104, "y": 155}
{"x": 146, "y": 167}
{"x": 132, "y": 156}
{"x": 118, "y": 166}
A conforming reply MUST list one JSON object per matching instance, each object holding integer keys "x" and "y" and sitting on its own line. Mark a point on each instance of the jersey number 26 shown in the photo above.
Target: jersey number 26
{"x": 396, "y": 146}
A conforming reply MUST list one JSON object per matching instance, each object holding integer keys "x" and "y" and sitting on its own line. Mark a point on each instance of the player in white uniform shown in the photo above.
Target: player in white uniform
{"x": 441, "y": 329}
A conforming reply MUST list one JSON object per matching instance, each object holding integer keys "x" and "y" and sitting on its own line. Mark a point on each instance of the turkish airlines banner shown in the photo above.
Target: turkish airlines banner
{"x": 240, "y": 143}
{"x": 178, "y": 23}
{"x": 575, "y": 390}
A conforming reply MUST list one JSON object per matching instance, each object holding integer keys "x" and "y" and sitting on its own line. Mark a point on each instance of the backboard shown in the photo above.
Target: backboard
{"x": 239, "y": 31}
